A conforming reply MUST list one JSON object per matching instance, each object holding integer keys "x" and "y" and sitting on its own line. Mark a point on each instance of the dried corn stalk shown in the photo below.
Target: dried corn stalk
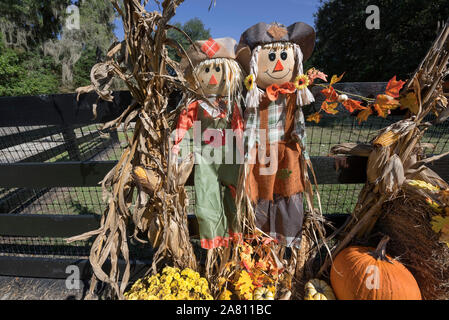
{"x": 397, "y": 153}
{"x": 144, "y": 169}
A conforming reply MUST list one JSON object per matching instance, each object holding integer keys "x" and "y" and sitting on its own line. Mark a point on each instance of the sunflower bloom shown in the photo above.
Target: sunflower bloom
{"x": 302, "y": 82}
{"x": 250, "y": 82}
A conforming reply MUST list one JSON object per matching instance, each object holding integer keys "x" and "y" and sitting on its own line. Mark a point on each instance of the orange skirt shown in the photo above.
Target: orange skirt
{"x": 281, "y": 174}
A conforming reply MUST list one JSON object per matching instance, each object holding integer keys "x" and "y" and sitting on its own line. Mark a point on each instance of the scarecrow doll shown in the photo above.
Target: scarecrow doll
{"x": 217, "y": 126}
{"x": 275, "y": 126}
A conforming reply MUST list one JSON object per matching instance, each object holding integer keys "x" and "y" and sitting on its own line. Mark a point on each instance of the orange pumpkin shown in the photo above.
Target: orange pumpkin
{"x": 364, "y": 273}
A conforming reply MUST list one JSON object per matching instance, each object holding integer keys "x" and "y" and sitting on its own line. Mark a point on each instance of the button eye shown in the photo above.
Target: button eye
{"x": 272, "y": 56}
{"x": 284, "y": 55}
{"x": 217, "y": 69}
{"x": 207, "y": 70}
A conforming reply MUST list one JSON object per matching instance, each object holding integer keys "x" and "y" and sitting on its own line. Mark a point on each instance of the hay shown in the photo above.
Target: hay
{"x": 407, "y": 221}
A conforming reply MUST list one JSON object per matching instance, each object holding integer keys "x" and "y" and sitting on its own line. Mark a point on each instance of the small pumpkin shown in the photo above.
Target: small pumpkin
{"x": 364, "y": 273}
{"x": 317, "y": 289}
{"x": 263, "y": 294}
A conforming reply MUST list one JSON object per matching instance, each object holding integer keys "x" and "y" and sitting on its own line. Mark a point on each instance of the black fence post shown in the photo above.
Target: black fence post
{"x": 69, "y": 136}
{"x": 114, "y": 135}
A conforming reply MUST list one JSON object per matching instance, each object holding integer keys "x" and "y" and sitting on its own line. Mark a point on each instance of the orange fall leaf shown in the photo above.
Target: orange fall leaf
{"x": 364, "y": 114}
{"x": 352, "y": 105}
{"x": 330, "y": 94}
{"x": 393, "y": 87}
{"x": 316, "y": 117}
{"x": 330, "y": 108}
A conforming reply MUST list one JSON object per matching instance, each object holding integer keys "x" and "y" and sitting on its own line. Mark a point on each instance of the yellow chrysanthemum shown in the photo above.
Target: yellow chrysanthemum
{"x": 171, "y": 284}
{"x": 250, "y": 82}
{"x": 302, "y": 82}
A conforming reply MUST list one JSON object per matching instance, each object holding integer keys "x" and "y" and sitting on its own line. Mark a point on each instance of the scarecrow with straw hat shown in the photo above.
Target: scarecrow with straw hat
{"x": 216, "y": 122}
{"x": 275, "y": 135}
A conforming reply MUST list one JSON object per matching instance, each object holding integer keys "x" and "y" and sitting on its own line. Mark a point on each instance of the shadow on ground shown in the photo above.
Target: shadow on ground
{"x": 13, "y": 288}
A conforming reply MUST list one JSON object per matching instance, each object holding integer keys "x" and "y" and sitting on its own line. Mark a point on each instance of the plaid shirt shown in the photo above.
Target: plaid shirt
{"x": 276, "y": 124}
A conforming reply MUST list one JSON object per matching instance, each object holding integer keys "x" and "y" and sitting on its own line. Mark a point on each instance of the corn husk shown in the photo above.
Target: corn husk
{"x": 145, "y": 167}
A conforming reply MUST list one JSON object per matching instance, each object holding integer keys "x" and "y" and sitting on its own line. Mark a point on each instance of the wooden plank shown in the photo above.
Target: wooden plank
{"x": 52, "y": 226}
{"x": 65, "y": 226}
{"x": 328, "y": 170}
{"x": 60, "y": 109}
{"x": 54, "y": 174}
{"x": 12, "y": 201}
{"x": 56, "y": 268}
{"x": 58, "y": 226}
{"x": 65, "y": 109}
{"x": 86, "y": 174}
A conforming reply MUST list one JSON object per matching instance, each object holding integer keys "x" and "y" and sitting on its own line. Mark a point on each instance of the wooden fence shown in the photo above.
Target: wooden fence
{"x": 63, "y": 111}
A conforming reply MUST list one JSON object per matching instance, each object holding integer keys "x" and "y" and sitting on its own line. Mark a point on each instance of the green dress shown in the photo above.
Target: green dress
{"x": 216, "y": 175}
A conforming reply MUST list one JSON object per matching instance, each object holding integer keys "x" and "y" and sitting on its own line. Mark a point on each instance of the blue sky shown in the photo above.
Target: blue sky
{"x": 229, "y": 18}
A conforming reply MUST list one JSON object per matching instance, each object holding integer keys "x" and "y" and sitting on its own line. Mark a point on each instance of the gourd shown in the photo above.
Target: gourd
{"x": 365, "y": 273}
{"x": 263, "y": 294}
{"x": 317, "y": 289}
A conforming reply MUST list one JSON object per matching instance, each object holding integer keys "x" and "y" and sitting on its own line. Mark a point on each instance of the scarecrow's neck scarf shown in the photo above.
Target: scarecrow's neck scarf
{"x": 274, "y": 90}
{"x": 220, "y": 106}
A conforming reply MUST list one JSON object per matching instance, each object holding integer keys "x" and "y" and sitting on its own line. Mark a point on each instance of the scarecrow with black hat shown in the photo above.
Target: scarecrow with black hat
{"x": 215, "y": 123}
{"x": 275, "y": 127}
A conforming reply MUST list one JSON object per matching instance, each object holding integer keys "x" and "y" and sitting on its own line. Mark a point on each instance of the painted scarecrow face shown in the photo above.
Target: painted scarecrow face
{"x": 276, "y": 64}
{"x": 212, "y": 77}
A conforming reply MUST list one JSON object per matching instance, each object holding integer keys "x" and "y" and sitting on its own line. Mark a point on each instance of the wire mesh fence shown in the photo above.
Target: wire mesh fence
{"x": 89, "y": 143}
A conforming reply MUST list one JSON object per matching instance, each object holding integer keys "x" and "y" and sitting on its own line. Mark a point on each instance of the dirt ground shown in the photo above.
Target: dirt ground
{"x": 13, "y": 288}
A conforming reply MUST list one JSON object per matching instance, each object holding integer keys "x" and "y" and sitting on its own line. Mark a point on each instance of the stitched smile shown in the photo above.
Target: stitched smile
{"x": 279, "y": 77}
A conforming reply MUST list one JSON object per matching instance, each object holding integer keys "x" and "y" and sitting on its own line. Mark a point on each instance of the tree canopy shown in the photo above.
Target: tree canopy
{"x": 345, "y": 44}
{"x": 26, "y": 23}
{"x": 194, "y": 28}
{"x": 39, "y": 54}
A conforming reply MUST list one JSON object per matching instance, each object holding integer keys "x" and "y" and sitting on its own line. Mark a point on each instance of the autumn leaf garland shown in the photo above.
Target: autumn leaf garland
{"x": 382, "y": 105}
